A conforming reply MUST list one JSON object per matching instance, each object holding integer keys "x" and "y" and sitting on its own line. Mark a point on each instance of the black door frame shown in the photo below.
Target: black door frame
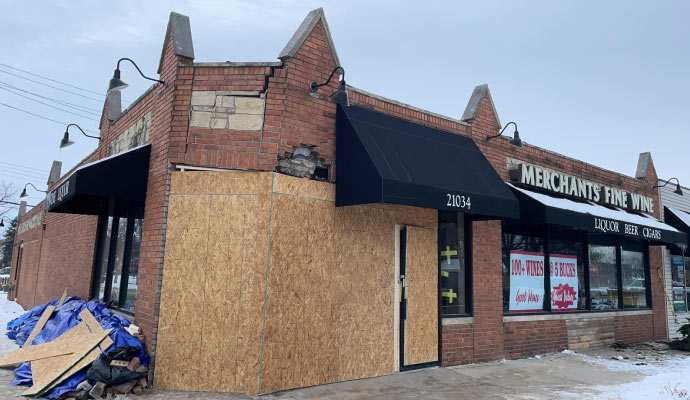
{"x": 403, "y": 311}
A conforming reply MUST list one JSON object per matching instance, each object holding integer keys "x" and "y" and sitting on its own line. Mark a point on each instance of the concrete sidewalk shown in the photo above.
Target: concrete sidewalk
{"x": 550, "y": 377}
{"x": 554, "y": 376}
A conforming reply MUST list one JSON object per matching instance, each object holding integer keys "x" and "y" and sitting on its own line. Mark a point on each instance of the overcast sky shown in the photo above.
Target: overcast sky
{"x": 597, "y": 81}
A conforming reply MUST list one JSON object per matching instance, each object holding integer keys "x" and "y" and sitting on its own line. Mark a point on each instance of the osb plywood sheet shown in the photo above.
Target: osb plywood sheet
{"x": 55, "y": 369}
{"x": 304, "y": 187}
{"x": 40, "y": 324}
{"x": 329, "y": 308}
{"x": 52, "y": 363}
{"x": 421, "y": 291}
{"x": 365, "y": 245}
{"x": 412, "y": 216}
{"x": 220, "y": 182}
{"x": 182, "y": 301}
{"x": 300, "y": 346}
{"x": 212, "y": 321}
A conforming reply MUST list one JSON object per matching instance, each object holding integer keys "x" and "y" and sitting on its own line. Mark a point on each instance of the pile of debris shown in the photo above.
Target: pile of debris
{"x": 76, "y": 350}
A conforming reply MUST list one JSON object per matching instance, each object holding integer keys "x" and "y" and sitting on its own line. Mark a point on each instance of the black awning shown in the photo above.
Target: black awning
{"x": 382, "y": 159}
{"x": 679, "y": 220}
{"x": 538, "y": 208}
{"x": 122, "y": 177}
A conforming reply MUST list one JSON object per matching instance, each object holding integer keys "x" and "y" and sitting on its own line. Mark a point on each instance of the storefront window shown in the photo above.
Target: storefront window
{"x": 603, "y": 277}
{"x": 452, "y": 263}
{"x": 687, "y": 279}
{"x": 116, "y": 275}
{"x": 103, "y": 261}
{"x": 634, "y": 276}
{"x": 133, "y": 272}
{"x": 680, "y": 283}
{"x": 119, "y": 257}
{"x": 523, "y": 269}
{"x": 567, "y": 270}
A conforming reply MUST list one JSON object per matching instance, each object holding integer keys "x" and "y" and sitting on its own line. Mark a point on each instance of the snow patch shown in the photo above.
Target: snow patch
{"x": 9, "y": 310}
{"x": 659, "y": 384}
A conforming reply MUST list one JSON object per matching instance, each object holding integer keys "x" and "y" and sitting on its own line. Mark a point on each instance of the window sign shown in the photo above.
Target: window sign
{"x": 678, "y": 283}
{"x": 526, "y": 281}
{"x": 564, "y": 282}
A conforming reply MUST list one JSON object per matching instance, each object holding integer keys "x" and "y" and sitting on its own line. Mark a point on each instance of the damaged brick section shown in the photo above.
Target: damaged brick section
{"x": 303, "y": 162}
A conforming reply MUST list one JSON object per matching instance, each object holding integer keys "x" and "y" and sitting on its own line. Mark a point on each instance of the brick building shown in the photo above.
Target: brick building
{"x": 256, "y": 255}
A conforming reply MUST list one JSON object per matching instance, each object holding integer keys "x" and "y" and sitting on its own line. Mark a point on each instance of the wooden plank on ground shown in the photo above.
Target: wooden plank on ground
{"x": 40, "y": 324}
{"x": 88, "y": 359}
{"x": 62, "y": 299}
{"x": 80, "y": 349}
{"x": 47, "y": 350}
{"x": 91, "y": 324}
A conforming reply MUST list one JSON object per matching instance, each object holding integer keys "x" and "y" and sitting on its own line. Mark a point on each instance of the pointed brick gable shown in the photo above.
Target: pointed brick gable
{"x": 180, "y": 32}
{"x": 313, "y": 19}
{"x": 481, "y": 99}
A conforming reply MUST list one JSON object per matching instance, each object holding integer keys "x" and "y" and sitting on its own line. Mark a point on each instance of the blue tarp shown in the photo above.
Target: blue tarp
{"x": 63, "y": 319}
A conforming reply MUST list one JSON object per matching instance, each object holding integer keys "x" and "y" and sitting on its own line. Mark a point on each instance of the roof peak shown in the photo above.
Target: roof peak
{"x": 475, "y": 100}
{"x": 313, "y": 17}
{"x": 180, "y": 31}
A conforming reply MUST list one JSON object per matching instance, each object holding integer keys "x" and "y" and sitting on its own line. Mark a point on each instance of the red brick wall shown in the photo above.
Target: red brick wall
{"x": 487, "y": 296}
{"x": 457, "y": 344}
{"x": 67, "y": 256}
{"x": 23, "y": 277}
{"x": 634, "y": 328}
{"x": 223, "y": 148}
{"x": 525, "y": 339}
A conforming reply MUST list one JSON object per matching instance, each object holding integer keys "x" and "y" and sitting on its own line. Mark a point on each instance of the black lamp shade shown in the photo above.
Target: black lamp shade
{"x": 340, "y": 96}
{"x": 116, "y": 84}
{"x": 516, "y": 141}
{"x": 23, "y": 193}
{"x": 2, "y": 224}
{"x": 65, "y": 141}
{"x": 678, "y": 191}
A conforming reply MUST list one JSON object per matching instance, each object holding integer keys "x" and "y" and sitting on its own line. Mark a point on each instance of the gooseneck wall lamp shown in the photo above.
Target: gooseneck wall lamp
{"x": 37, "y": 189}
{"x": 516, "y": 135}
{"x": 2, "y": 223}
{"x": 65, "y": 139}
{"x": 677, "y": 191}
{"x": 339, "y": 96}
{"x": 117, "y": 84}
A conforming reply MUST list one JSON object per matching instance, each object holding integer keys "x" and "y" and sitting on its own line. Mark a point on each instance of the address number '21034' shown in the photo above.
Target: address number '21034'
{"x": 458, "y": 201}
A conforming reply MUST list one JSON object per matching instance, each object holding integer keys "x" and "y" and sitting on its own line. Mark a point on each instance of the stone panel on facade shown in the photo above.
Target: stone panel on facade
{"x": 218, "y": 110}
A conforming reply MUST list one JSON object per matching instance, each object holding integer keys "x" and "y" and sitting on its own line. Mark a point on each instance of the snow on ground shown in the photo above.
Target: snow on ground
{"x": 663, "y": 380}
{"x": 9, "y": 310}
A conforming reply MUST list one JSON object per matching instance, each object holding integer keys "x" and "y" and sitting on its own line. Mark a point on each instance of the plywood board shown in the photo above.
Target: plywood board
{"x": 89, "y": 325}
{"x": 54, "y": 371}
{"x": 329, "y": 303}
{"x": 40, "y": 369}
{"x": 46, "y": 350}
{"x": 421, "y": 291}
{"x": 93, "y": 325}
{"x": 40, "y": 324}
{"x": 213, "y": 281}
{"x": 301, "y": 320}
{"x": 62, "y": 299}
{"x": 365, "y": 246}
